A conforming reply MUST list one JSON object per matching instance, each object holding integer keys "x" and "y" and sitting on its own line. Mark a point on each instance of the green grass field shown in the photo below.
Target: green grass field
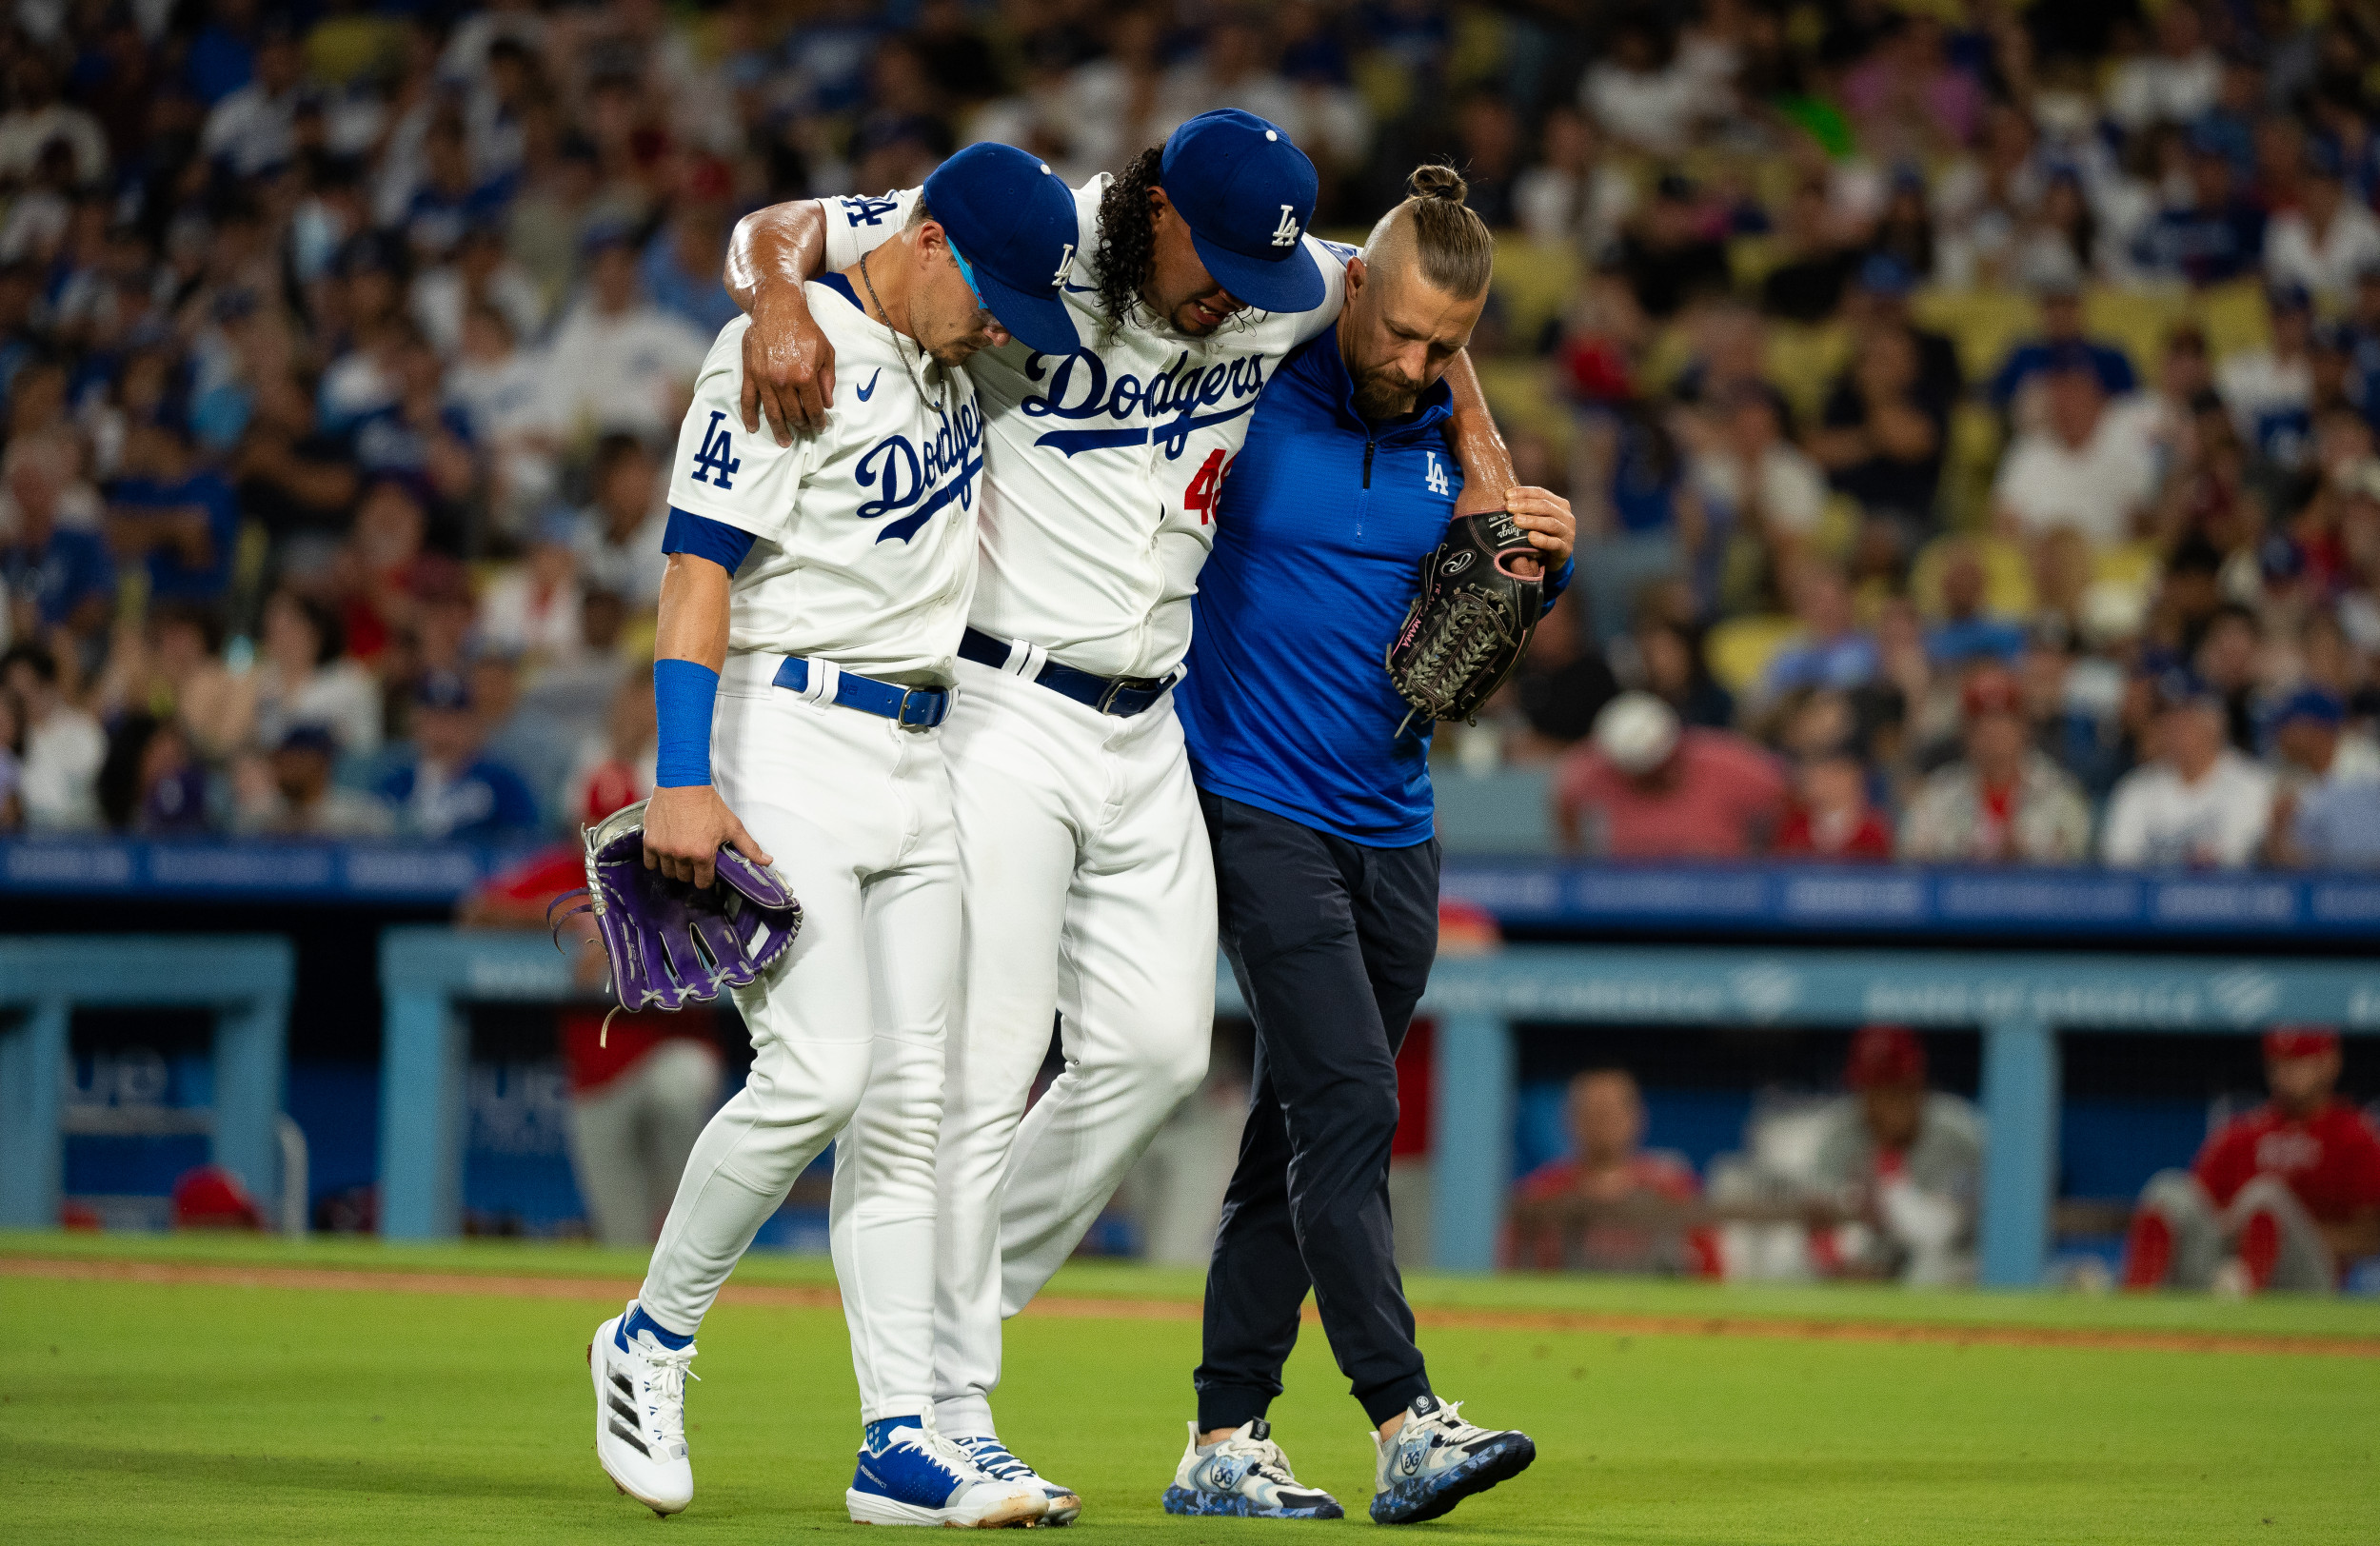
{"x": 200, "y": 1412}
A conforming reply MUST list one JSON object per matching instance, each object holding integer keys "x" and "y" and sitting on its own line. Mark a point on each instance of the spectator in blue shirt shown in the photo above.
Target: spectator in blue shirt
{"x": 2216, "y": 236}
{"x": 2061, "y": 299}
{"x": 451, "y": 199}
{"x": 419, "y": 437}
{"x": 1967, "y": 630}
{"x": 53, "y": 578}
{"x": 451, "y": 790}
{"x": 1834, "y": 651}
{"x": 223, "y": 55}
{"x": 1316, "y": 797}
{"x": 178, "y": 518}
{"x": 681, "y": 262}
{"x": 2336, "y": 827}
{"x": 1654, "y": 524}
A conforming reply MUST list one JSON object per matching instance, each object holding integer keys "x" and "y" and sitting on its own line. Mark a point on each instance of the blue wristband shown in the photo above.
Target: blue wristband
{"x": 684, "y": 692}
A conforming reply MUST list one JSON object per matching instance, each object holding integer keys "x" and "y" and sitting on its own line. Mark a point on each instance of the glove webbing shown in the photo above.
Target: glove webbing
{"x": 1473, "y": 631}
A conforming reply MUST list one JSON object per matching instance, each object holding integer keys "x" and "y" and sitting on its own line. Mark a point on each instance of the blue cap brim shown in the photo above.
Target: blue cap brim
{"x": 1042, "y": 321}
{"x": 1288, "y": 284}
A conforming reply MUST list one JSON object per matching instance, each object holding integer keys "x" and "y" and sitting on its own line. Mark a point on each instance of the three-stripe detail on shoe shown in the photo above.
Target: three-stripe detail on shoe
{"x": 626, "y": 1431}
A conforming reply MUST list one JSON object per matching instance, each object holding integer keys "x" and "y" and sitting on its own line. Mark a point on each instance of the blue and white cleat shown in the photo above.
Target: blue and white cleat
{"x": 908, "y": 1473}
{"x": 1244, "y": 1476}
{"x": 640, "y": 1416}
{"x": 1437, "y": 1461}
{"x": 992, "y": 1457}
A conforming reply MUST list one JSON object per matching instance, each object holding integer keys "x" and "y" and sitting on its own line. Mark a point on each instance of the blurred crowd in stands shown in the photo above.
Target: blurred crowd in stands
{"x": 1970, "y": 409}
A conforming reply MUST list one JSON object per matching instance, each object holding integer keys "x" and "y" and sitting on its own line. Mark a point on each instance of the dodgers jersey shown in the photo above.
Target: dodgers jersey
{"x": 1103, "y": 467}
{"x": 867, "y": 528}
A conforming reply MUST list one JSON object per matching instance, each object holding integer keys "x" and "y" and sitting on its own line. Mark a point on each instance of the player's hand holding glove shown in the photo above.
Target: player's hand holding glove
{"x": 1482, "y": 594}
{"x": 671, "y": 939}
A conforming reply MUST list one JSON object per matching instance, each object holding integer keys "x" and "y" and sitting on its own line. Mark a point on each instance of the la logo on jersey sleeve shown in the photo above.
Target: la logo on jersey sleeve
{"x": 715, "y": 461}
{"x": 723, "y": 474}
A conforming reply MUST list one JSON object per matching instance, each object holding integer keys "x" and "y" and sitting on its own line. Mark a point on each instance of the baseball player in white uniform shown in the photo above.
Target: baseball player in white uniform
{"x": 809, "y": 622}
{"x": 1088, "y": 883}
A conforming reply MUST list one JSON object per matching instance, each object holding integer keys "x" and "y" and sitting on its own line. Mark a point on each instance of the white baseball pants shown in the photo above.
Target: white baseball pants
{"x": 848, "y": 1028}
{"x": 629, "y": 1139}
{"x": 2204, "y": 1234}
{"x": 1090, "y": 895}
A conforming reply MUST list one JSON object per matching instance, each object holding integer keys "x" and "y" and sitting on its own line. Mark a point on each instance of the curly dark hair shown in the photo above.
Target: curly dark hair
{"x": 1127, "y": 236}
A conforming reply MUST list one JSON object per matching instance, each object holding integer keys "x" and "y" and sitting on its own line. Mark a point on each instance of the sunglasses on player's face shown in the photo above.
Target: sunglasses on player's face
{"x": 966, "y": 272}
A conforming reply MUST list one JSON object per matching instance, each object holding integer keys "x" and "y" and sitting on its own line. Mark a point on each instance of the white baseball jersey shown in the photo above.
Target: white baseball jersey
{"x": 1103, "y": 467}
{"x": 867, "y": 529}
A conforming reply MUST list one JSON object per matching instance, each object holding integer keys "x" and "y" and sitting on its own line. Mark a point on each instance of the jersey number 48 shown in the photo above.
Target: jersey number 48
{"x": 1207, "y": 486}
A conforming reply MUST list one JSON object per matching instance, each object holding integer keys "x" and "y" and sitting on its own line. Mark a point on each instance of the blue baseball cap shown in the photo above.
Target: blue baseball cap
{"x": 443, "y": 690}
{"x": 1885, "y": 274}
{"x": 2310, "y": 702}
{"x": 1012, "y": 226}
{"x": 1247, "y": 194}
{"x": 2182, "y": 687}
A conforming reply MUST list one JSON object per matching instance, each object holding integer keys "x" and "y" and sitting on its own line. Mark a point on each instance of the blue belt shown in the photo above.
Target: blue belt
{"x": 1121, "y": 695}
{"x": 912, "y": 708}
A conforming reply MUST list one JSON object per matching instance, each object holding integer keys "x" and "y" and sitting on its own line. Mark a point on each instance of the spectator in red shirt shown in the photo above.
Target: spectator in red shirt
{"x": 2283, "y": 1196}
{"x": 639, "y": 1093}
{"x": 1645, "y": 787}
{"x": 1616, "y": 1206}
{"x": 1831, "y": 817}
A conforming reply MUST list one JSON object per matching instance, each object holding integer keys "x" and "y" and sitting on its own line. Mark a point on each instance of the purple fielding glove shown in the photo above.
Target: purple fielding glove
{"x": 669, "y": 942}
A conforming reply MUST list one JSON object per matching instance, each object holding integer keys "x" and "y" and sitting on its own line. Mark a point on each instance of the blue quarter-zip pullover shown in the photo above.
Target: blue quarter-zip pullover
{"x": 1319, "y": 534}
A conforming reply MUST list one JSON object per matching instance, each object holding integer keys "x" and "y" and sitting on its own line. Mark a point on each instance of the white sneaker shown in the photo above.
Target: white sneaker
{"x": 1437, "y": 1461}
{"x": 1244, "y": 1475}
{"x": 993, "y": 1457}
{"x": 908, "y": 1473}
{"x": 640, "y": 1416}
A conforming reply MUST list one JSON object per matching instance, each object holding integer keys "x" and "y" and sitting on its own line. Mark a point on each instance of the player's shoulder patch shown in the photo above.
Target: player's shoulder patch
{"x": 1337, "y": 249}
{"x": 857, "y": 209}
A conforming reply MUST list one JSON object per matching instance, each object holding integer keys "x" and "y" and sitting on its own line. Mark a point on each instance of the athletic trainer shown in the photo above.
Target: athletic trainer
{"x": 1319, "y": 811}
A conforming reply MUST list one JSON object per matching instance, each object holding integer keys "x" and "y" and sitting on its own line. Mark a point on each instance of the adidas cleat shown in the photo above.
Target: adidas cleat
{"x": 993, "y": 1457}
{"x": 908, "y": 1473}
{"x": 640, "y": 1417}
{"x": 1244, "y": 1476}
{"x": 1437, "y": 1460}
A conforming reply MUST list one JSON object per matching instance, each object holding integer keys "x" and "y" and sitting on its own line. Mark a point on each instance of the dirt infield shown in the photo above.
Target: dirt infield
{"x": 603, "y": 1290}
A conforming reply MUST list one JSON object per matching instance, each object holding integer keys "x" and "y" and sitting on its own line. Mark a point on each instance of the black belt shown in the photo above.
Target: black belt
{"x": 1121, "y": 695}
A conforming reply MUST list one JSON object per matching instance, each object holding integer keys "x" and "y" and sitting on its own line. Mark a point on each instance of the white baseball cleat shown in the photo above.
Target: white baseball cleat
{"x": 992, "y": 1456}
{"x": 640, "y": 1416}
{"x": 1437, "y": 1461}
{"x": 1245, "y": 1476}
{"x": 908, "y": 1473}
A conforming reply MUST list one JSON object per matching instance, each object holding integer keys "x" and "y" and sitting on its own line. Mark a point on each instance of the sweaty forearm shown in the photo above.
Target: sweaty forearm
{"x": 1478, "y": 448}
{"x": 782, "y": 247}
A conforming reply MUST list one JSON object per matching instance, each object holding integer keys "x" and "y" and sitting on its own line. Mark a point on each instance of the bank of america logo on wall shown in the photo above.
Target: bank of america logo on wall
{"x": 2246, "y": 994}
{"x": 1765, "y": 989}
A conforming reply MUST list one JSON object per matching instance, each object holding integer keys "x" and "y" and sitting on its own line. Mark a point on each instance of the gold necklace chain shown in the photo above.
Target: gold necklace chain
{"x": 899, "y": 338}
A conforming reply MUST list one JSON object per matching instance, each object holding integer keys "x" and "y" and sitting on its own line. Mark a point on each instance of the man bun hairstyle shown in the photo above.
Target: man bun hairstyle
{"x": 1446, "y": 237}
{"x": 1432, "y": 179}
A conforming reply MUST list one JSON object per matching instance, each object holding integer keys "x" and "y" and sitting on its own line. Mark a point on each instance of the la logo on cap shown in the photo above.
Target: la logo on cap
{"x": 1285, "y": 234}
